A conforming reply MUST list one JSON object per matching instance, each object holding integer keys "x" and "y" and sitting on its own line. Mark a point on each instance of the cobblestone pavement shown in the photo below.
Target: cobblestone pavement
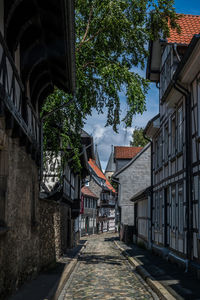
{"x": 103, "y": 273}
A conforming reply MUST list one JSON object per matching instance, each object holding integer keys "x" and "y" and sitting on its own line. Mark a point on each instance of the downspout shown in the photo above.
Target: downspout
{"x": 188, "y": 142}
{"x": 151, "y": 192}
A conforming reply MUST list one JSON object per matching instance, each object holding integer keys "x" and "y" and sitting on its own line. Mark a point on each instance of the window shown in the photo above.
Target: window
{"x": 156, "y": 210}
{"x": 67, "y": 173}
{"x": 160, "y": 150}
{"x": 72, "y": 193}
{"x": 173, "y": 208}
{"x": 82, "y": 223}
{"x": 72, "y": 179}
{"x": 160, "y": 210}
{"x": 180, "y": 208}
{"x": 165, "y": 71}
{"x": 166, "y": 142}
{"x": 180, "y": 128}
{"x": 173, "y": 135}
{"x": 155, "y": 154}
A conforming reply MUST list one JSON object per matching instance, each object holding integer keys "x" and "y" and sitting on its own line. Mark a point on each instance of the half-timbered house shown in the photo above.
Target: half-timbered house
{"x": 174, "y": 64}
{"x": 106, "y": 198}
{"x": 65, "y": 192}
{"x": 88, "y": 216}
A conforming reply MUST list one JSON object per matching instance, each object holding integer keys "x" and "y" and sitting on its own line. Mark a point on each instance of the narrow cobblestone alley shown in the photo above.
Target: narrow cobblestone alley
{"x": 103, "y": 273}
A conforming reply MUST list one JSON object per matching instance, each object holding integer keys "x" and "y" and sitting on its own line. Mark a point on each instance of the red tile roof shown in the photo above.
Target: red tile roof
{"x": 86, "y": 191}
{"x": 100, "y": 174}
{"x": 121, "y": 152}
{"x": 93, "y": 165}
{"x": 190, "y": 25}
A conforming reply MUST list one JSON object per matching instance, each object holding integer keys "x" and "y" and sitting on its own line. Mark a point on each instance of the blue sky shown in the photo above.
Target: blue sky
{"x": 103, "y": 136}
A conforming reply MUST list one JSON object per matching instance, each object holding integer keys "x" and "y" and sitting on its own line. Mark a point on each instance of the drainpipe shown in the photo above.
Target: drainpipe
{"x": 188, "y": 142}
{"x": 151, "y": 192}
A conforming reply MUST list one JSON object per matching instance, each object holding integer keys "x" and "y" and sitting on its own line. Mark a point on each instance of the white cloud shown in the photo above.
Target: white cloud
{"x": 104, "y": 137}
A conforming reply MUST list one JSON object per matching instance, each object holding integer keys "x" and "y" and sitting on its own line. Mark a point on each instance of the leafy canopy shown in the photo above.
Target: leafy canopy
{"x": 111, "y": 41}
{"x": 138, "y": 139}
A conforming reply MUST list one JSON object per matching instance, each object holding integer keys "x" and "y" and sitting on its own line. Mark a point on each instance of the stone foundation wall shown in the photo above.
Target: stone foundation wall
{"x": 49, "y": 210}
{"x": 37, "y": 230}
{"x": 19, "y": 255}
{"x": 63, "y": 229}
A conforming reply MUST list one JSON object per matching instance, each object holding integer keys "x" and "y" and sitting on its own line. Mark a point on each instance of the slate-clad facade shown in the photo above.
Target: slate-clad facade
{"x": 119, "y": 157}
{"x": 134, "y": 176}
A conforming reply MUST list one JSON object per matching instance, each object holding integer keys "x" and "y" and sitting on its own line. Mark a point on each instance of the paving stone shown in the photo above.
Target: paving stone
{"x": 103, "y": 273}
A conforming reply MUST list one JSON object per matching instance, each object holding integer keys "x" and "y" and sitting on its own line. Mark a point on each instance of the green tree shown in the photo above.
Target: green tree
{"x": 111, "y": 42}
{"x": 138, "y": 139}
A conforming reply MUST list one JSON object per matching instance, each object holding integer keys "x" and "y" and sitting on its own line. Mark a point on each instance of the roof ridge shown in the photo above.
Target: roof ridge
{"x": 182, "y": 14}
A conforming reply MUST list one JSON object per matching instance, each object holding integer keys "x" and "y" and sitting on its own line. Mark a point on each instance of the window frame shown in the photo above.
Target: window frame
{"x": 173, "y": 134}
{"x": 180, "y": 128}
{"x": 180, "y": 208}
{"x": 173, "y": 208}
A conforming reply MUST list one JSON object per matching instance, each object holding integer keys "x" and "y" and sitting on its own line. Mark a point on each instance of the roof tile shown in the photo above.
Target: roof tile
{"x": 190, "y": 25}
{"x": 95, "y": 168}
{"x": 121, "y": 152}
{"x": 86, "y": 191}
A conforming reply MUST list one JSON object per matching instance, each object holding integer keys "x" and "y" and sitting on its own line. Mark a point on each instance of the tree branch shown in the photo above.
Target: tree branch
{"x": 93, "y": 36}
{"x": 89, "y": 63}
{"x": 87, "y": 29}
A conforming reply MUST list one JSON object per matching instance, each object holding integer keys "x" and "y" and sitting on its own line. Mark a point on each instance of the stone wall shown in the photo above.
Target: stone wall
{"x": 32, "y": 231}
{"x": 96, "y": 189}
{"x": 56, "y": 235}
{"x": 48, "y": 243}
{"x": 19, "y": 255}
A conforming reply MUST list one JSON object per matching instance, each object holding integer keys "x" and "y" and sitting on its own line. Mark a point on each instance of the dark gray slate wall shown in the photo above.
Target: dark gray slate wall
{"x": 134, "y": 178}
{"x": 120, "y": 163}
